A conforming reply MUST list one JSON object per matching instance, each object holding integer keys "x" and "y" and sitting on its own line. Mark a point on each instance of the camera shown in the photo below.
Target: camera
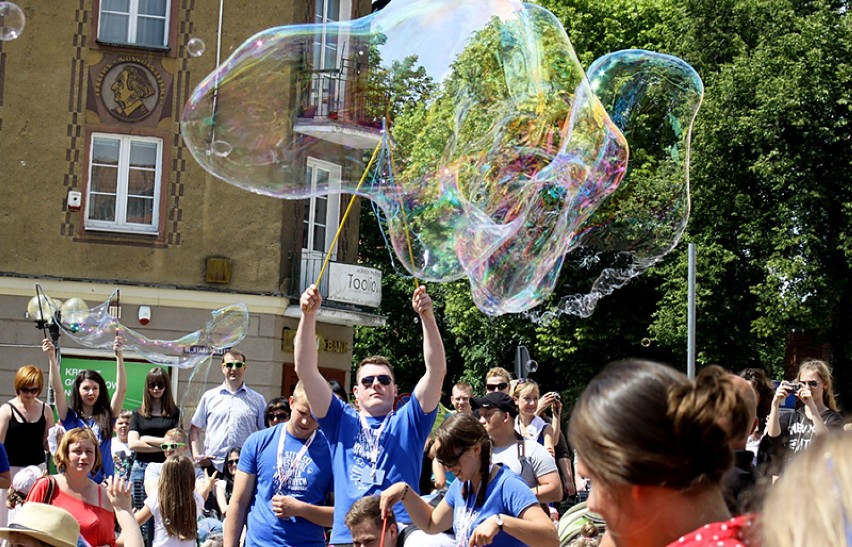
{"x": 557, "y": 397}
{"x": 795, "y": 386}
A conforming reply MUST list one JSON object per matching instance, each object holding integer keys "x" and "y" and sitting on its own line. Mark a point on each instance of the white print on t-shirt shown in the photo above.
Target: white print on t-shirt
{"x": 801, "y": 436}
{"x": 298, "y": 480}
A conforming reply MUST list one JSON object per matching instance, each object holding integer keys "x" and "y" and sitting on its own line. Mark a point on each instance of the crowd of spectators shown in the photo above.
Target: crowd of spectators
{"x": 646, "y": 457}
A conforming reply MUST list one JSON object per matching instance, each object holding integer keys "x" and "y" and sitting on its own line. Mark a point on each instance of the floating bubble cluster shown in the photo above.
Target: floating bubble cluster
{"x": 474, "y": 130}
{"x": 97, "y": 328}
{"x": 12, "y": 21}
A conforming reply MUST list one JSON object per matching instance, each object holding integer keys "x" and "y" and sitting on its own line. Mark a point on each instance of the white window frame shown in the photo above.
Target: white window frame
{"x": 120, "y": 223}
{"x": 133, "y": 23}
{"x": 311, "y": 259}
{"x": 323, "y": 83}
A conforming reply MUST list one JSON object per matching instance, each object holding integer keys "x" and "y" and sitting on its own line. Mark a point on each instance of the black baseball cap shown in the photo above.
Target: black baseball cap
{"x": 495, "y": 399}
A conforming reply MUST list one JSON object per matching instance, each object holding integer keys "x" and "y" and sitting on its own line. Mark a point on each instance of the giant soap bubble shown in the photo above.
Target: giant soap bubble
{"x": 487, "y": 151}
{"x": 98, "y": 327}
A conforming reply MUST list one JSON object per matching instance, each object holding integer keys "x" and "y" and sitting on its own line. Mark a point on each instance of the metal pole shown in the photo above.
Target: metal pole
{"x": 690, "y": 325}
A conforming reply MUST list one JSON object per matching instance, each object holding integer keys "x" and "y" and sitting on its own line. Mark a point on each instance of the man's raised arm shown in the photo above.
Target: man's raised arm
{"x": 428, "y": 389}
{"x": 305, "y": 353}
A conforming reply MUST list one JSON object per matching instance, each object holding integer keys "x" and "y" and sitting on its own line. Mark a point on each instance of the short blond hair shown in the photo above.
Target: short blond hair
{"x": 498, "y": 372}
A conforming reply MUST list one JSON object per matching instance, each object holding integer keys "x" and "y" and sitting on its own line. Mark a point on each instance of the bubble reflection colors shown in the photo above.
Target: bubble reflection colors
{"x": 97, "y": 328}
{"x": 12, "y": 21}
{"x": 493, "y": 153}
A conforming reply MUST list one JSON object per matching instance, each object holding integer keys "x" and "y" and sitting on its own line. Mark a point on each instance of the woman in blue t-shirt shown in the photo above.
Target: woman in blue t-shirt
{"x": 486, "y": 504}
{"x": 90, "y": 405}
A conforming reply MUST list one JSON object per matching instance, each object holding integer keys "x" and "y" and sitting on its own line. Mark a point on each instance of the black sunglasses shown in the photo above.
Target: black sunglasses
{"x": 232, "y": 364}
{"x": 497, "y": 387}
{"x": 33, "y": 390}
{"x": 275, "y": 416}
{"x": 383, "y": 379}
{"x": 233, "y": 462}
{"x": 156, "y": 385}
{"x": 810, "y": 383}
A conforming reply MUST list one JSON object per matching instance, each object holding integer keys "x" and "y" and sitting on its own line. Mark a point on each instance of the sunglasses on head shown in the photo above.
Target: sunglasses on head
{"x": 383, "y": 379}
{"x": 171, "y": 446}
{"x": 275, "y": 416}
{"x": 232, "y": 364}
{"x": 156, "y": 385}
{"x": 32, "y": 390}
{"x": 497, "y": 387}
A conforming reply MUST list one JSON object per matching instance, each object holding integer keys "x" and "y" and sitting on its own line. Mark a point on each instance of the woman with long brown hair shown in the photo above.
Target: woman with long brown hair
{"x": 175, "y": 507}
{"x": 486, "y": 504}
{"x": 148, "y": 426}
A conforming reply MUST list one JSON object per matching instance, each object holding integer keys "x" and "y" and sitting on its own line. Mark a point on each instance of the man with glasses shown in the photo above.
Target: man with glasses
{"x": 498, "y": 379}
{"x": 286, "y": 466}
{"x": 227, "y": 414}
{"x": 374, "y": 446}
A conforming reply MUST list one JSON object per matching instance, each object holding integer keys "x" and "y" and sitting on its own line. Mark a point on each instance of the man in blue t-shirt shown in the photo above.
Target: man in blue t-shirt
{"x": 374, "y": 447}
{"x": 282, "y": 483}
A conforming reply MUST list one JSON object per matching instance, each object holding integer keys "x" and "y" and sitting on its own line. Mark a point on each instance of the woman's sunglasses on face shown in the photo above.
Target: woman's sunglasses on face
{"x": 156, "y": 385}
{"x": 30, "y": 390}
{"x": 279, "y": 415}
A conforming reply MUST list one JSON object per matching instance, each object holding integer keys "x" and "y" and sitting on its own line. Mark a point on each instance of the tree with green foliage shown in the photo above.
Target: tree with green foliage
{"x": 771, "y": 201}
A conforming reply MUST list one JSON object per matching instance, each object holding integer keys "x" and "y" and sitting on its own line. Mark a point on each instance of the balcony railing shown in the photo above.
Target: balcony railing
{"x": 337, "y": 94}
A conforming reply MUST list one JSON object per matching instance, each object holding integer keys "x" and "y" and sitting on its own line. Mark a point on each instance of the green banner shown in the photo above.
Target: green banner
{"x": 136, "y": 373}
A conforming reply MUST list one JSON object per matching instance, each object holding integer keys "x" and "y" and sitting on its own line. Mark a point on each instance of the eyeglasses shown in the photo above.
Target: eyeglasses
{"x": 452, "y": 462}
{"x": 497, "y": 387}
{"x": 233, "y": 462}
{"x": 383, "y": 379}
{"x": 32, "y": 390}
{"x": 275, "y": 416}
{"x": 232, "y": 364}
{"x": 171, "y": 446}
{"x": 156, "y": 385}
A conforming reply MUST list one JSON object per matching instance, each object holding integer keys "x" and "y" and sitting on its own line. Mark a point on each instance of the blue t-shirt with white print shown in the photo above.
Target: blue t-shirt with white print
{"x": 399, "y": 449}
{"x": 507, "y": 494}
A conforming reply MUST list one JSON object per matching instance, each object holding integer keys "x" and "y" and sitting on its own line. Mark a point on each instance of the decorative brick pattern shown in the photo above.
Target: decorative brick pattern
{"x": 75, "y": 131}
{"x": 179, "y": 152}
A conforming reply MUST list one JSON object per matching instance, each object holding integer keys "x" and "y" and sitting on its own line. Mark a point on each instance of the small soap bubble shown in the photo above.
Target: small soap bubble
{"x": 12, "y": 21}
{"x": 195, "y": 47}
{"x": 220, "y": 148}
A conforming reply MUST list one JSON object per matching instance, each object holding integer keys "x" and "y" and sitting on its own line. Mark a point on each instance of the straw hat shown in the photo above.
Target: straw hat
{"x": 46, "y": 523}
